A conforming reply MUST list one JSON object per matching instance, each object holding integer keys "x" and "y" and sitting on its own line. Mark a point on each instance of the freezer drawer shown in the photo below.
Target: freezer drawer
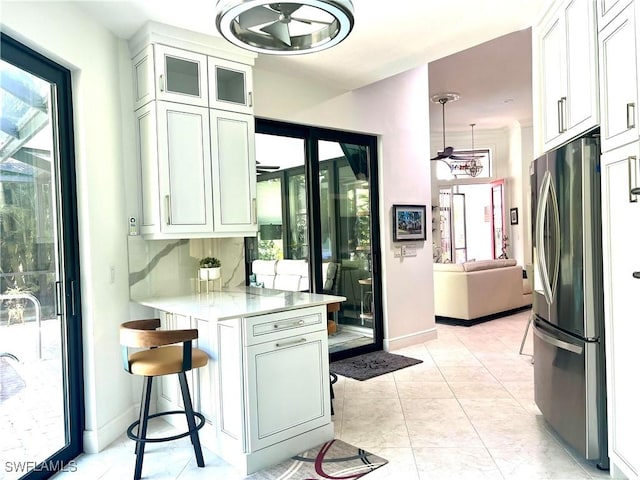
{"x": 565, "y": 378}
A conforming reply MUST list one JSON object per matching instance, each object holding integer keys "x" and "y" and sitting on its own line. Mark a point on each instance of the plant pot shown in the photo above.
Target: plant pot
{"x": 209, "y": 273}
{"x": 214, "y": 273}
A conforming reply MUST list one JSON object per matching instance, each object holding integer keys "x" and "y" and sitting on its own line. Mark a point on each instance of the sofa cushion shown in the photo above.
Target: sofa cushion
{"x": 448, "y": 267}
{"x": 292, "y": 267}
{"x": 264, "y": 267}
{"x": 265, "y": 272}
{"x": 488, "y": 264}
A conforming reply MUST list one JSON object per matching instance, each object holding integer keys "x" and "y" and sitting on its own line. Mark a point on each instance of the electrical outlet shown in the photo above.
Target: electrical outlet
{"x": 409, "y": 251}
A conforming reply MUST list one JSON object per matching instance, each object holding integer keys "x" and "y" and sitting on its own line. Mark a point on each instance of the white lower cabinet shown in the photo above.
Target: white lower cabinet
{"x": 265, "y": 391}
{"x": 287, "y": 388}
{"x": 621, "y": 237}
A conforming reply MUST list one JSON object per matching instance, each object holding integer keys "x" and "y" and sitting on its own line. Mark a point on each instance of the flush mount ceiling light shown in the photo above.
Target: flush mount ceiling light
{"x": 284, "y": 28}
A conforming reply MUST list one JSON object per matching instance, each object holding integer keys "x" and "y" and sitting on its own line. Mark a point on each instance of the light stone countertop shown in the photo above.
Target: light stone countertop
{"x": 236, "y": 302}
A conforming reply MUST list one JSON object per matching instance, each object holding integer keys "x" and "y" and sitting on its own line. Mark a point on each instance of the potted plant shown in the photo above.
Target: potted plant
{"x": 209, "y": 268}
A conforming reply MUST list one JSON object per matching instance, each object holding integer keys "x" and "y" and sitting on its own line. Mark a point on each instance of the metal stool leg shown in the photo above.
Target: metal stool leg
{"x": 526, "y": 330}
{"x": 191, "y": 422}
{"x": 142, "y": 426}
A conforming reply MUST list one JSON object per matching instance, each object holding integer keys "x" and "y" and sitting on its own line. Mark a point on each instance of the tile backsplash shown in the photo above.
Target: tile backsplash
{"x": 170, "y": 267}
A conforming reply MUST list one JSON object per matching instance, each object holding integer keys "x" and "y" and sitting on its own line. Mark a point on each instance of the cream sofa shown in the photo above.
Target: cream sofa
{"x": 293, "y": 275}
{"x": 473, "y": 290}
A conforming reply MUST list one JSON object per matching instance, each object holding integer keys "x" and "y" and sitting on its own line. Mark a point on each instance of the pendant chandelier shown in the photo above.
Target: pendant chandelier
{"x": 471, "y": 167}
{"x": 284, "y": 28}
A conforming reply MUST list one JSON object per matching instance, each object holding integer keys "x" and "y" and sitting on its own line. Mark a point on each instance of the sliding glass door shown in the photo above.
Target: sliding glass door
{"x": 41, "y": 412}
{"x": 315, "y": 202}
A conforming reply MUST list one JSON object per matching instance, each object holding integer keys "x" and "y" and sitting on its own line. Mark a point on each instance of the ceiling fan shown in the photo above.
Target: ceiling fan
{"x": 289, "y": 28}
{"x": 448, "y": 152}
{"x": 265, "y": 168}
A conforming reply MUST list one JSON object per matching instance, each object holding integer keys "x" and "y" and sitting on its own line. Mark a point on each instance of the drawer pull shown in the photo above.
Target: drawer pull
{"x": 299, "y": 323}
{"x": 636, "y": 275}
{"x": 292, "y": 342}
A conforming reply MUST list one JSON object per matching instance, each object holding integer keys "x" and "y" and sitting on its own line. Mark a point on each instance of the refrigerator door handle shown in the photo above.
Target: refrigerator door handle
{"x": 570, "y": 347}
{"x": 540, "y": 219}
{"x": 553, "y": 282}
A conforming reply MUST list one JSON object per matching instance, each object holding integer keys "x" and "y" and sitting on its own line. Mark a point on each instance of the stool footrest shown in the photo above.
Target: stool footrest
{"x": 135, "y": 437}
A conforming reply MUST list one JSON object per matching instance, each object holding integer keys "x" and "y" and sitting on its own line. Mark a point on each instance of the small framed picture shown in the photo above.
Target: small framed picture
{"x": 409, "y": 223}
{"x": 513, "y": 213}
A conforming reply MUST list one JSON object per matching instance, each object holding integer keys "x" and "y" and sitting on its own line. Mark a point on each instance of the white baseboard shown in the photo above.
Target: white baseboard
{"x": 95, "y": 441}
{"x": 390, "y": 344}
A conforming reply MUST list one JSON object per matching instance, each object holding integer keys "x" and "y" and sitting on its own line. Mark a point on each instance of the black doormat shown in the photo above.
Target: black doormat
{"x": 371, "y": 365}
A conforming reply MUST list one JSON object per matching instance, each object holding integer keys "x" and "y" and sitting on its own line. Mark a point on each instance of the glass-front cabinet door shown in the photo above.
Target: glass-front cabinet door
{"x": 181, "y": 76}
{"x": 230, "y": 86}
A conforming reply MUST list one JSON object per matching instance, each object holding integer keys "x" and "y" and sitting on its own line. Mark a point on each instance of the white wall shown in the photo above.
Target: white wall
{"x": 60, "y": 31}
{"x": 396, "y": 109}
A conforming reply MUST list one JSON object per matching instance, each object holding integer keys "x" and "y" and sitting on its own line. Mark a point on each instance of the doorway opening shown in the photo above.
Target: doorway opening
{"x": 316, "y": 202}
{"x": 471, "y": 222}
{"x": 41, "y": 399}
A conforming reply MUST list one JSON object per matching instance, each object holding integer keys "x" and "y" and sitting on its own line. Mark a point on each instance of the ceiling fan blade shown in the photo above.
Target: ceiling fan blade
{"x": 257, "y": 16}
{"x": 280, "y": 31}
{"x": 309, "y": 21}
{"x": 464, "y": 157}
{"x": 286, "y": 8}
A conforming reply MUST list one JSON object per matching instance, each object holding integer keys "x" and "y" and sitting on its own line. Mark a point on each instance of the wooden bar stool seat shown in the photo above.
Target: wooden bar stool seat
{"x": 161, "y": 358}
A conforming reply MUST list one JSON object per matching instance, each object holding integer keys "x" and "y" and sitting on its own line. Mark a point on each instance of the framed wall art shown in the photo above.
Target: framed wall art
{"x": 409, "y": 223}
{"x": 513, "y": 213}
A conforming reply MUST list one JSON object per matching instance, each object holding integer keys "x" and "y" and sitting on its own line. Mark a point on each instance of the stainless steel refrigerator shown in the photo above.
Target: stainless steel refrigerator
{"x": 568, "y": 322}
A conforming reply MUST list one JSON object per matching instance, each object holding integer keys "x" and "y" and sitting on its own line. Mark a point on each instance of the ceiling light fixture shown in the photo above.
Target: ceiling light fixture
{"x": 284, "y": 28}
{"x": 467, "y": 164}
{"x": 473, "y": 167}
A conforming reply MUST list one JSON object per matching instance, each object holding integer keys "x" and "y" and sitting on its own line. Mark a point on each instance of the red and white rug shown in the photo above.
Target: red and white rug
{"x": 332, "y": 460}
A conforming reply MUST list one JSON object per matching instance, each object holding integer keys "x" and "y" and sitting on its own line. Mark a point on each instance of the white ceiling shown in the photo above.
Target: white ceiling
{"x": 390, "y": 37}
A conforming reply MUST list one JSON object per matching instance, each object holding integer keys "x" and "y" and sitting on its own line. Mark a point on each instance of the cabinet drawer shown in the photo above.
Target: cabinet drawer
{"x": 273, "y": 326}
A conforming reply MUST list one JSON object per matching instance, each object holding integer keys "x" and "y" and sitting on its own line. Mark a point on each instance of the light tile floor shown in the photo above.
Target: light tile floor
{"x": 466, "y": 412}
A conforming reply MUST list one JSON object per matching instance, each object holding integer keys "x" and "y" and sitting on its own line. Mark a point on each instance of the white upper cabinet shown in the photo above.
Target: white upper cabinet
{"x": 195, "y": 130}
{"x": 234, "y": 171}
{"x": 619, "y": 80}
{"x": 181, "y": 76}
{"x": 230, "y": 86}
{"x": 567, "y": 70}
{"x": 553, "y": 88}
{"x": 170, "y": 74}
{"x": 607, "y": 10}
{"x": 175, "y": 159}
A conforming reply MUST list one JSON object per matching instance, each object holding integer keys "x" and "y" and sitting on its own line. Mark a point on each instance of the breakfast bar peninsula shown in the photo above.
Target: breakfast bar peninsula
{"x": 265, "y": 391}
